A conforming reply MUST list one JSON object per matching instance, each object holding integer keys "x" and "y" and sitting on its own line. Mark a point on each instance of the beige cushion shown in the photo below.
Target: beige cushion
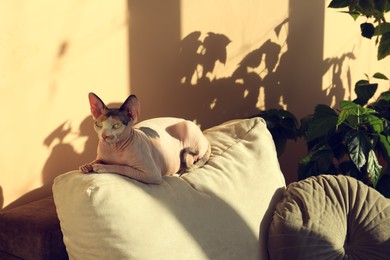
{"x": 219, "y": 211}
{"x": 330, "y": 217}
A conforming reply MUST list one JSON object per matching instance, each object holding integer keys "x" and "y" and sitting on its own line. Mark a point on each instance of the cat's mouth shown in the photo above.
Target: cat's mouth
{"x": 108, "y": 139}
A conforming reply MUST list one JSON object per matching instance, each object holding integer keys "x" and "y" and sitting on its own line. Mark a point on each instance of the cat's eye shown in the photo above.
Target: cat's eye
{"x": 117, "y": 126}
{"x": 99, "y": 124}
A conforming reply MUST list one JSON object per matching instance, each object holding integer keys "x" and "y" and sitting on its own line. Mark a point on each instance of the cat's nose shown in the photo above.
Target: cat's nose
{"x": 107, "y": 137}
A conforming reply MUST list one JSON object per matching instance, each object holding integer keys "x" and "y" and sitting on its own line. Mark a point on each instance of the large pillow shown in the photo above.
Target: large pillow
{"x": 219, "y": 211}
{"x": 330, "y": 217}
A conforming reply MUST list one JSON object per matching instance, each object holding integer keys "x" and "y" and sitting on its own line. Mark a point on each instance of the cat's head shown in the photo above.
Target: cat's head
{"x": 111, "y": 124}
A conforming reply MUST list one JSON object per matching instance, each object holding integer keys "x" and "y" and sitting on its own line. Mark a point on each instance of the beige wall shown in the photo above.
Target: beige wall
{"x": 52, "y": 53}
{"x": 299, "y": 53}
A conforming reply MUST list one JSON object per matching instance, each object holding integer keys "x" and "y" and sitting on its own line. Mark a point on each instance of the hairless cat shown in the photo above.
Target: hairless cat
{"x": 145, "y": 151}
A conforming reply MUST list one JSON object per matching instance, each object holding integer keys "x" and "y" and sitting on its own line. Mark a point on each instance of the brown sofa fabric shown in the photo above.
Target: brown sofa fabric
{"x": 31, "y": 232}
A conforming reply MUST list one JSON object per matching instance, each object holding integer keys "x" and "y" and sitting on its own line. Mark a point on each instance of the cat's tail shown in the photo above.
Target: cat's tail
{"x": 186, "y": 165}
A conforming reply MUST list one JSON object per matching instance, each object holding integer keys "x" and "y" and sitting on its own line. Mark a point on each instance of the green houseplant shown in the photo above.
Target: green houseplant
{"x": 283, "y": 126}
{"x": 354, "y": 140}
{"x": 374, "y": 12}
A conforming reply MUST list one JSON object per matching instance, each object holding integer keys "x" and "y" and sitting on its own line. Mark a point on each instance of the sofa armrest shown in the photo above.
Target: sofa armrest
{"x": 31, "y": 231}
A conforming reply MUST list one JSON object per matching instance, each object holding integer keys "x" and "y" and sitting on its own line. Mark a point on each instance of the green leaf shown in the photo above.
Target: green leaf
{"x": 374, "y": 169}
{"x": 363, "y": 81}
{"x": 317, "y": 162}
{"x": 382, "y": 28}
{"x": 380, "y": 5}
{"x": 367, "y": 30}
{"x": 364, "y": 91}
{"x": 349, "y": 112}
{"x": 376, "y": 123}
{"x": 386, "y": 127}
{"x": 348, "y": 105}
{"x": 339, "y": 3}
{"x": 368, "y": 111}
{"x": 353, "y": 114}
{"x": 379, "y": 75}
{"x": 385, "y": 96}
{"x": 384, "y": 46}
{"x": 282, "y": 121}
{"x": 385, "y": 145}
{"x": 358, "y": 146}
{"x": 367, "y": 7}
{"x": 282, "y": 124}
{"x": 306, "y": 167}
{"x": 323, "y": 122}
{"x": 355, "y": 15}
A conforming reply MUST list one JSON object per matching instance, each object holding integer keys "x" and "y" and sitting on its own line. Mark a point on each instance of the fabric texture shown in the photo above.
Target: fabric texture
{"x": 31, "y": 231}
{"x": 330, "y": 217}
{"x": 219, "y": 211}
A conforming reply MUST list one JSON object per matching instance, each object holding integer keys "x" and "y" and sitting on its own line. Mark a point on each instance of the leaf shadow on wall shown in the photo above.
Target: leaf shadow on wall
{"x": 264, "y": 79}
{"x": 63, "y": 157}
{"x": 336, "y": 90}
{"x": 216, "y": 99}
{"x": 264, "y": 69}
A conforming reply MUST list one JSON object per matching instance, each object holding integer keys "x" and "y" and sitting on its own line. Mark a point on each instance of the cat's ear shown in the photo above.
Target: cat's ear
{"x": 132, "y": 107}
{"x": 97, "y": 106}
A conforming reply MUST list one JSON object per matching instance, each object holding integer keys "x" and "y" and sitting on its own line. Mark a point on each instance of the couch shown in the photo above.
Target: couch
{"x": 235, "y": 207}
{"x": 32, "y": 232}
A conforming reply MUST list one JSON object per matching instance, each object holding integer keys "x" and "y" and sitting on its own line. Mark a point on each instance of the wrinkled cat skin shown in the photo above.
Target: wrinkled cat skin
{"x": 145, "y": 151}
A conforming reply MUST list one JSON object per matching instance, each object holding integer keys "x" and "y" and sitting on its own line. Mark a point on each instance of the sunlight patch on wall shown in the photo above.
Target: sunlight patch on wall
{"x": 229, "y": 55}
{"x": 247, "y": 24}
{"x": 53, "y": 54}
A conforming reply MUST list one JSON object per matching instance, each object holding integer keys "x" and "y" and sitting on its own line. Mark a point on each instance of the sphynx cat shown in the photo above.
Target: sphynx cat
{"x": 145, "y": 151}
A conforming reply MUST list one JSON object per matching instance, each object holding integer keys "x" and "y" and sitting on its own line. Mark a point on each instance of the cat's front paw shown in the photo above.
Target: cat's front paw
{"x": 99, "y": 168}
{"x": 86, "y": 168}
